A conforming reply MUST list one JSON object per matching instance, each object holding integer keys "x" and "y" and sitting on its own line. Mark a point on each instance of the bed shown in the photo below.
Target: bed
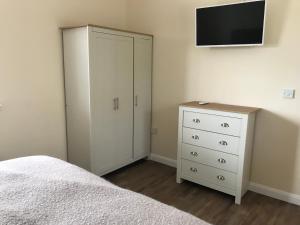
{"x": 41, "y": 190}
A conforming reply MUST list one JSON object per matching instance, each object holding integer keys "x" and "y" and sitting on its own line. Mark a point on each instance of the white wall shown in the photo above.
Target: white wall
{"x": 32, "y": 120}
{"x": 244, "y": 76}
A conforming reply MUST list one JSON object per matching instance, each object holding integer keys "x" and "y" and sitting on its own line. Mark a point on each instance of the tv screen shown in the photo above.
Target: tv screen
{"x": 235, "y": 24}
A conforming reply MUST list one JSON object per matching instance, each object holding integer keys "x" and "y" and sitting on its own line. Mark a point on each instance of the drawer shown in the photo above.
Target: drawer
{"x": 211, "y": 158}
{"x": 219, "y": 142}
{"x": 200, "y": 172}
{"x": 218, "y": 124}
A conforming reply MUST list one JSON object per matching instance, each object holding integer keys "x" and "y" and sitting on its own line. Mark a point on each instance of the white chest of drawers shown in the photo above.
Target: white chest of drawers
{"x": 215, "y": 146}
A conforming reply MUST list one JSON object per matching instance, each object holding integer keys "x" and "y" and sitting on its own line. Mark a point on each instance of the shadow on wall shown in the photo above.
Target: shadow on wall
{"x": 273, "y": 18}
{"x": 276, "y": 142}
{"x": 165, "y": 109}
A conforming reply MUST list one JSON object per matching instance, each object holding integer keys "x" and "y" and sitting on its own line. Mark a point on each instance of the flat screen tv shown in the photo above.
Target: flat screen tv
{"x": 240, "y": 24}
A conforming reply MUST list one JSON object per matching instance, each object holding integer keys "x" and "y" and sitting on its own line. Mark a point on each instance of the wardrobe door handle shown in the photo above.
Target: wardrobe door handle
{"x": 115, "y": 104}
{"x": 136, "y": 101}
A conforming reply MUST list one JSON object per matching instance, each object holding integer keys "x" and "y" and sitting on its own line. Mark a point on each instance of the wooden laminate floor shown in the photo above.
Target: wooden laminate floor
{"x": 158, "y": 181}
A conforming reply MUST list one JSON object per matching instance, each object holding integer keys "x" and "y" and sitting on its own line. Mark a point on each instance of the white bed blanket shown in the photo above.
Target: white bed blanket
{"x": 42, "y": 190}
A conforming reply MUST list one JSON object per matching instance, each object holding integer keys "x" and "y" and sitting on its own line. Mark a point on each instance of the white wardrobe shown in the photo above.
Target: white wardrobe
{"x": 108, "y": 97}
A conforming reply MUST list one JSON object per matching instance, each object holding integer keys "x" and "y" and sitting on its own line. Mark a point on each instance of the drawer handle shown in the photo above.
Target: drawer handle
{"x": 224, "y": 143}
{"x": 221, "y": 178}
{"x": 194, "y": 170}
{"x": 194, "y": 154}
{"x": 225, "y": 125}
{"x": 195, "y": 137}
{"x": 196, "y": 120}
{"x": 223, "y": 161}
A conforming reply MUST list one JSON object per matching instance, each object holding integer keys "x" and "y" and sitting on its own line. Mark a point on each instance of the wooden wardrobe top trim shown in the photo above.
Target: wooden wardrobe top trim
{"x": 222, "y": 107}
{"x": 104, "y": 27}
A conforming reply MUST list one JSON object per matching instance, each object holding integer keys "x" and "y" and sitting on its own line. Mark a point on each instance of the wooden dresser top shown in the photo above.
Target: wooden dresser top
{"x": 222, "y": 107}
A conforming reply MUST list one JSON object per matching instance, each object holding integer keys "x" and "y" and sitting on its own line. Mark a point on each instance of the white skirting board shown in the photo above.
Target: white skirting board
{"x": 258, "y": 188}
{"x": 163, "y": 160}
{"x": 275, "y": 193}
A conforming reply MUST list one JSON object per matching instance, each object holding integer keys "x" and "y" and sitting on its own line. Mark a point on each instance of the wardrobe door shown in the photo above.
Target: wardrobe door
{"x": 111, "y": 61}
{"x": 142, "y": 96}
